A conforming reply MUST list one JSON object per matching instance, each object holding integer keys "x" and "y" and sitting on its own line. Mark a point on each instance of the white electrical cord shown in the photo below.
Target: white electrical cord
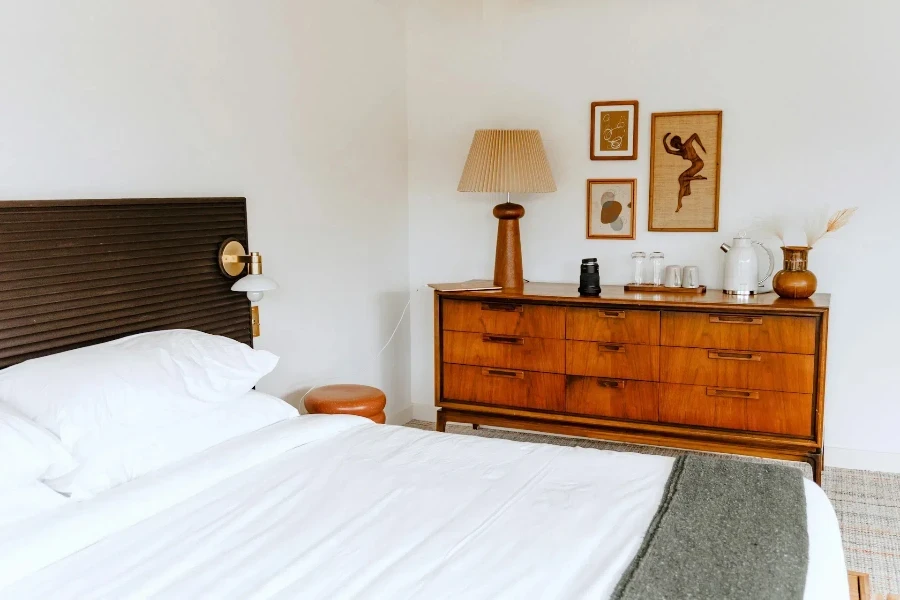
{"x": 393, "y": 333}
{"x": 380, "y": 352}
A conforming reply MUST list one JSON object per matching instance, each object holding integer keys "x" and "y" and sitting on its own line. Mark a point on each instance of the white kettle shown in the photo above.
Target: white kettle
{"x": 742, "y": 267}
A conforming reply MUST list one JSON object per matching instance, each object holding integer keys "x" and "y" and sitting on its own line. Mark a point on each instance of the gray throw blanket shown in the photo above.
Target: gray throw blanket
{"x": 724, "y": 529}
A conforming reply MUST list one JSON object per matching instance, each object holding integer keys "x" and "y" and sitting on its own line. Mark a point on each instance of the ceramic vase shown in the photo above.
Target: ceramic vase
{"x": 794, "y": 280}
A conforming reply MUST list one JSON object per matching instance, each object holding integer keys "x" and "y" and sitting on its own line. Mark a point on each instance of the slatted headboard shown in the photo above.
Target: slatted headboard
{"x": 80, "y": 272}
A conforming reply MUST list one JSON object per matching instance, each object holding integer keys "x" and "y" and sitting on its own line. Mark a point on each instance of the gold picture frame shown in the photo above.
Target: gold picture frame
{"x": 614, "y": 130}
{"x": 609, "y": 217}
{"x": 685, "y": 170}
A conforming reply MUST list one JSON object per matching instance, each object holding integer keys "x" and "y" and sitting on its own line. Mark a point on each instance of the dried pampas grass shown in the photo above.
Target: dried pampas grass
{"x": 773, "y": 226}
{"x": 814, "y": 227}
{"x": 817, "y": 229}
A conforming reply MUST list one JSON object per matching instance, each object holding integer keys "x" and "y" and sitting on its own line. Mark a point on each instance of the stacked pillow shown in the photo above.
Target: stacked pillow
{"x": 123, "y": 408}
{"x": 28, "y": 453}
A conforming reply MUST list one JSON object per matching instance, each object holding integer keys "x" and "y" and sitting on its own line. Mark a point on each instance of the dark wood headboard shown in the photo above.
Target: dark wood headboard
{"x": 80, "y": 272}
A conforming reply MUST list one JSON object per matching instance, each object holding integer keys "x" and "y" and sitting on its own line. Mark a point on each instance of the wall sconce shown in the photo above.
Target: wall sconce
{"x": 233, "y": 260}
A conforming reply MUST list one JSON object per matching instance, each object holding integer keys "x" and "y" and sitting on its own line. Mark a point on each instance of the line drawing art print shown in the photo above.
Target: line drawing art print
{"x": 614, "y": 130}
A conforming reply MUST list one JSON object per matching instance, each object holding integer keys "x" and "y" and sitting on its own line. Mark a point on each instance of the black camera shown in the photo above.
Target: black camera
{"x": 590, "y": 278}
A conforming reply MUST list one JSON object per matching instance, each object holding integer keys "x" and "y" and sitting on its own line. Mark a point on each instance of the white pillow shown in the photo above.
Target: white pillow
{"x": 27, "y": 500}
{"x": 27, "y": 452}
{"x": 145, "y": 380}
{"x": 133, "y": 452}
{"x": 213, "y": 368}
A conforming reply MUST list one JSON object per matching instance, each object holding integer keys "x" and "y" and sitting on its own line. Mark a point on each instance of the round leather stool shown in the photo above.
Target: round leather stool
{"x": 347, "y": 399}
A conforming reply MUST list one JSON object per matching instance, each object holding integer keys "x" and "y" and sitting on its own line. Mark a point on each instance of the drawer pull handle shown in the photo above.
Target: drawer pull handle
{"x": 616, "y": 384}
{"x": 501, "y": 373}
{"x": 611, "y": 348}
{"x": 613, "y": 314}
{"x": 503, "y": 339}
{"x": 734, "y": 355}
{"x": 736, "y": 319}
{"x": 727, "y": 393}
{"x": 495, "y": 307}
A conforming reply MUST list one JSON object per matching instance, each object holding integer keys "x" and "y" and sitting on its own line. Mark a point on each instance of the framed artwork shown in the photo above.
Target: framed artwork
{"x": 685, "y": 162}
{"x": 614, "y": 130}
{"x": 610, "y": 209}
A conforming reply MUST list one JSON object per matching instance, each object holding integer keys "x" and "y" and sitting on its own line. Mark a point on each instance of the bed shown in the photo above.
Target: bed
{"x": 336, "y": 507}
{"x": 286, "y": 506}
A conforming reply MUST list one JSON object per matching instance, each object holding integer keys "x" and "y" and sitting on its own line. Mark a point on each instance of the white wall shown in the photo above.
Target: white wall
{"x": 809, "y": 93}
{"x": 299, "y": 106}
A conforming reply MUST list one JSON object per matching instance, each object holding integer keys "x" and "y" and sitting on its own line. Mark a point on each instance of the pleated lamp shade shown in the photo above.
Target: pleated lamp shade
{"x": 508, "y": 161}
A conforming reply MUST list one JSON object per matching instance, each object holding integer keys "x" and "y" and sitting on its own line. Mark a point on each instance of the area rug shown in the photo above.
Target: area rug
{"x": 867, "y": 503}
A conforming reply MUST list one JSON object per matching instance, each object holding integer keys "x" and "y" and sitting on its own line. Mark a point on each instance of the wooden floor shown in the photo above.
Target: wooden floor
{"x": 860, "y": 590}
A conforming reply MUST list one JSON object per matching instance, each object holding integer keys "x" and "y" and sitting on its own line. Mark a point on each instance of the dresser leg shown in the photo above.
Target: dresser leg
{"x": 441, "y": 424}
{"x": 817, "y": 461}
{"x": 476, "y": 426}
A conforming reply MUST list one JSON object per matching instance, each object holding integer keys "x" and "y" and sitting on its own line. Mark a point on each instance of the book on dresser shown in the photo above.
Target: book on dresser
{"x": 710, "y": 372}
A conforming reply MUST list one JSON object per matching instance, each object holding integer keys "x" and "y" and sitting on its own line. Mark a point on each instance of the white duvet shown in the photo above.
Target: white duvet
{"x": 337, "y": 507}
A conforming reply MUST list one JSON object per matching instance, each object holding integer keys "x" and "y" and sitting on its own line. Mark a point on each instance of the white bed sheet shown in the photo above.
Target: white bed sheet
{"x": 336, "y": 507}
{"x": 27, "y": 501}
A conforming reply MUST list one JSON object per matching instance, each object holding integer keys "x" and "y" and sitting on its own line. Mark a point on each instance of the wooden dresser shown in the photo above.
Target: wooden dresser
{"x": 703, "y": 372}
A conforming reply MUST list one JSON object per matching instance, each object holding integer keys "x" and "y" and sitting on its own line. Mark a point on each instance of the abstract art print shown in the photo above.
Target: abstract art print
{"x": 614, "y": 130}
{"x": 610, "y": 209}
{"x": 685, "y": 161}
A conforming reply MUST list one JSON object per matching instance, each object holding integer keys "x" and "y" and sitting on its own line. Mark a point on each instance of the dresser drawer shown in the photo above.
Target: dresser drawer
{"x": 614, "y": 398}
{"x": 505, "y": 318}
{"x": 769, "y": 333}
{"x": 505, "y": 351}
{"x": 619, "y": 361}
{"x": 505, "y": 387}
{"x": 613, "y": 325}
{"x": 745, "y": 410}
{"x": 738, "y": 369}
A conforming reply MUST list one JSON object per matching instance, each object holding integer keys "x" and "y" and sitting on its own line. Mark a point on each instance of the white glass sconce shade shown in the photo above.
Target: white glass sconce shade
{"x": 255, "y": 286}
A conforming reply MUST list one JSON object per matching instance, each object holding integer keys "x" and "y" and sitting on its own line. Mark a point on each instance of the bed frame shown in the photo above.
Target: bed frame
{"x": 80, "y": 272}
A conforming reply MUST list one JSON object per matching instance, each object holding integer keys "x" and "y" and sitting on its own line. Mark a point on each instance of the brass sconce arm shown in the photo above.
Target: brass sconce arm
{"x": 233, "y": 256}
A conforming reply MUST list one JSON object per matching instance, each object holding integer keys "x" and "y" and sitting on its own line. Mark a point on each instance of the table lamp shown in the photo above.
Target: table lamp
{"x": 510, "y": 161}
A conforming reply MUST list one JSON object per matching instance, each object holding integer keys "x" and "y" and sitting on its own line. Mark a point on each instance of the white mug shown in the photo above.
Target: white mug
{"x": 673, "y": 276}
{"x": 691, "y": 277}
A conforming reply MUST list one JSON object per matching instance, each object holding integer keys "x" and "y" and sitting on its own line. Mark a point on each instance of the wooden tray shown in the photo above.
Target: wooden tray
{"x": 661, "y": 289}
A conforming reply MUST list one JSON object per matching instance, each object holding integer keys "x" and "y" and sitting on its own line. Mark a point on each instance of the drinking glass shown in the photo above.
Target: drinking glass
{"x": 637, "y": 261}
{"x": 656, "y": 263}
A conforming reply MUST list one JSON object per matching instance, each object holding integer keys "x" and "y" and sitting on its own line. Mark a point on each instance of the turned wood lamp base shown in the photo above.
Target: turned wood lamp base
{"x": 508, "y": 261}
{"x": 507, "y": 161}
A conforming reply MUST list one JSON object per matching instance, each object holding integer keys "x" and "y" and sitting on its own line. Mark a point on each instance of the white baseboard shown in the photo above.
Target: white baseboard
{"x": 402, "y": 416}
{"x": 424, "y": 412}
{"x": 864, "y": 460}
